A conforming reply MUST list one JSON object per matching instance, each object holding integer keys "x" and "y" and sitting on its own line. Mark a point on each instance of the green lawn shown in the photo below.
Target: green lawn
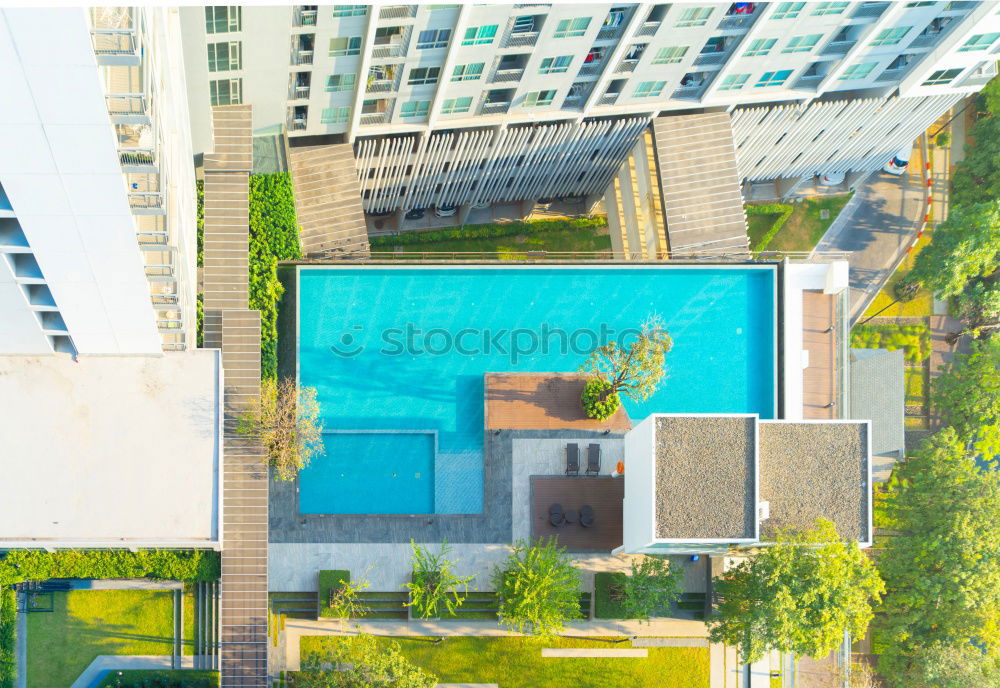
{"x": 515, "y": 247}
{"x": 88, "y": 623}
{"x": 915, "y": 383}
{"x": 921, "y": 305}
{"x": 804, "y": 227}
{"x": 516, "y": 662}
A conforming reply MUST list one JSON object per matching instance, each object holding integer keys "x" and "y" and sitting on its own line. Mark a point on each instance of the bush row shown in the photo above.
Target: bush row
{"x": 914, "y": 340}
{"x": 274, "y": 236}
{"x": 782, "y": 210}
{"x": 489, "y": 231}
{"x": 181, "y": 678}
{"x": 182, "y": 565}
{"x": 199, "y": 186}
{"x": 8, "y": 633}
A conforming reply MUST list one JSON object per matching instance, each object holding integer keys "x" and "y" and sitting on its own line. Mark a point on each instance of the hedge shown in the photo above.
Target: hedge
{"x": 604, "y": 606}
{"x": 489, "y": 231}
{"x": 274, "y": 236}
{"x": 179, "y": 678}
{"x": 182, "y": 565}
{"x": 199, "y": 186}
{"x": 914, "y": 340}
{"x": 330, "y": 580}
{"x": 8, "y": 634}
{"x": 783, "y": 210}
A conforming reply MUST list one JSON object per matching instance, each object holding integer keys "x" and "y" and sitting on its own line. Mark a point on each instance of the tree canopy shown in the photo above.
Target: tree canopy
{"x": 635, "y": 370}
{"x": 285, "y": 418}
{"x": 797, "y": 595}
{"x": 651, "y": 587}
{"x": 942, "y": 565}
{"x": 967, "y": 396}
{"x": 538, "y": 587}
{"x": 360, "y": 661}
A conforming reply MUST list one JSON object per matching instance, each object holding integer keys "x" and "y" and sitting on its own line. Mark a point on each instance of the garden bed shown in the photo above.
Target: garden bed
{"x": 787, "y": 227}
{"x": 183, "y": 678}
{"x": 914, "y": 340}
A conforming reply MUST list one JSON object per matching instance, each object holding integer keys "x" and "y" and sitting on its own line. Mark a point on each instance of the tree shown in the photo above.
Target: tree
{"x": 433, "y": 585}
{"x": 942, "y": 565}
{"x": 538, "y": 587}
{"x": 345, "y": 600}
{"x": 965, "y": 246}
{"x": 797, "y": 595}
{"x": 285, "y": 418}
{"x": 651, "y": 587}
{"x": 943, "y": 665}
{"x": 967, "y": 396}
{"x": 360, "y": 661}
{"x": 635, "y": 370}
{"x": 977, "y": 177}
{"x": 978, "y": 307}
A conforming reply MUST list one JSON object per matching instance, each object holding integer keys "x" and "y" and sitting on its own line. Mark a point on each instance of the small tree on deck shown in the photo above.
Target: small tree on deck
{"x": 285, "y": 418}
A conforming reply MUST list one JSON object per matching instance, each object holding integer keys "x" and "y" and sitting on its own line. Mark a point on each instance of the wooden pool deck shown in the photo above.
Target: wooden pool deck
{"x": 603, "y": 494}
{"x": 819, "y": 338}
{"x": 542, "y": 401}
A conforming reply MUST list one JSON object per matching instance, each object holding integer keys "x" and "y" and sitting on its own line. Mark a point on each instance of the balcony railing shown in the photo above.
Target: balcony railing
{"x": 297, "y": 123}
{"x": 609, "y": 33}
{"x": 502, "y": 76}
{"x": 710, "y": 59}
{"x": 147, "y": 202}
{"x": 497, "y": 108}
{"x": 870, "y": 10}
{"x": 381, "y": 85}
{"x": 573, "y": 101}
{"x": 838, "y": 47}
{"x": 142, "y": 158}
{"x": 155, "y": 240}
{"x": 810, "y": 81}
{"x": 626, "y": 66}
{"x": 397, "y": 12}
{"x": 165, "y": 299}
{"x": 591, "y": 68}
{"x": 302, "y": 57}
{"x": 648, "y": 28}
{"x": 688, "y": 92}
{"x": 526, "y": 39}
{"x": 305, "y": 18}
{"x": 927, "y": 41}
{"x": 377, "y": 117}
{"x": 395, "y": 49}
{"x": 115, "y": 43}
{"x": 608, "y": 99}
{"x": 890, "y": 75}
{"x": 132, "y": 108}
{"x": 736, "y": 22}
{"x": 296, "y": 92}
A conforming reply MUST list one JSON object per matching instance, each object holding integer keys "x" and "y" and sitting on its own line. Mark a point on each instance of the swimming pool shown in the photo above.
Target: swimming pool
{"x": 397, "y": 356}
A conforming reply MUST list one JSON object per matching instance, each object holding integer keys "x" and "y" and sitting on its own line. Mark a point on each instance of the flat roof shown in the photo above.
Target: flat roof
{"x": 705, "y": 477}
{"x": 808, "y": 470}
{"x": 111, "y": 450}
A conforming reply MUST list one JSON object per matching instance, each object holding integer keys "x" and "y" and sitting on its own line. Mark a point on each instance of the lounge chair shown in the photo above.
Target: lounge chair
{"x": 586, "y": 516}
{"x": 556, "y": 515}
{"x": 572, "y": 459}
{"x": 593, "y": 459}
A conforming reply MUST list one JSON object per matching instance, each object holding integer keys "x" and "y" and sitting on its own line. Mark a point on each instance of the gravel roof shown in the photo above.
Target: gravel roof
{"x": 705, "y": 477}
{"x": 808, "y": 470}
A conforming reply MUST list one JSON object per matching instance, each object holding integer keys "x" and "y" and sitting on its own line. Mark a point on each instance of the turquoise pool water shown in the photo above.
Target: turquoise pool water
{"x": 405, "y": 349}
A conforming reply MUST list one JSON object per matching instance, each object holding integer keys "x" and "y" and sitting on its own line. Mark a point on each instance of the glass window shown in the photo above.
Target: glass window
{"x": 670, "y": 55}
{"x": 694, "y": 16}
{"x": 555, "y": 65}
{"x": 452, "y": 106}
{"x": 891, "y": 36}
{"x": 773, "y": 78}
{"x": 223, "y": 18}
{"x": 415, "y": 108}
{"x": 223, "y": 57}
{"x": 433, "y": 38}
{"x": 760, "y": 46}
{"x": 802, "y": 44}
{"x": 469, "y": 72}
{"x": 787, "y": 10}
{"x": 226, "y": 91}
{"x": 981, "y": 41}
{"x": 345, "y": 46}
{"x": 341, "y": 82}
{"x": 858, "y": 71}
{"x": 733, "y": 82}
{"x": 524, "y": 24}
{"x": 647, "y": 89}
{"x": 539, "y": 98}
{"x": 350, "y": 10}
{"x": 423, "y": 75}
{"x": 824, "y": 8}
{"x": 569, "y": 28}
{"x": 920, "y": 4}
{"x": 335, "y": 115}
{"x": 480, "y": 35}
{"x": 942, "y": 76}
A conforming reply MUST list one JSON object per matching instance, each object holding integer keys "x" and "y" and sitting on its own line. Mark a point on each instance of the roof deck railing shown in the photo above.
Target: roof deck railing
{"x": 574, "y": 256}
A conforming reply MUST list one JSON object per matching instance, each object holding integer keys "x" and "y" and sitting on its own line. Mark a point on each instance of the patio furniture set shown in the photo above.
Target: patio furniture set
{"x": 573, "y": 459}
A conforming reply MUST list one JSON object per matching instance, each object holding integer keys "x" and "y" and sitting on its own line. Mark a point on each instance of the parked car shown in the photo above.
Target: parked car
{"x": 379, "y": 213}
{"x": 900, "y": 160}
{"x": 832, "y": 179}
{"x": 445, "y": 210}
{"x": 545, "y": 203}
{"x": 415, "y": 213}
{"x": 482, "y": 205}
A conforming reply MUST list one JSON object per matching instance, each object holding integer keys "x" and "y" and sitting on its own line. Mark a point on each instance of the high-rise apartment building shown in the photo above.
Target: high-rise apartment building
{"x": 97, "y": 199}
{"x": 471, "y": 104}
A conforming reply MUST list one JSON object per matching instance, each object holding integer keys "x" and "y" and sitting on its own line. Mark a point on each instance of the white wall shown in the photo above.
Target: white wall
{"x": 638, "y": 512}
{"x": 60, "y": 170}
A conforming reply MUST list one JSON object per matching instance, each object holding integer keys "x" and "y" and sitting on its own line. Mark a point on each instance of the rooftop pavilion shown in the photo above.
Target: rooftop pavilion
{"x": 118, "y": 451}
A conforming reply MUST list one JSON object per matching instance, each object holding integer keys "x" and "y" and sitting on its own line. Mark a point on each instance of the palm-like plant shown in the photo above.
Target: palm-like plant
{"x": 433, "y": 585}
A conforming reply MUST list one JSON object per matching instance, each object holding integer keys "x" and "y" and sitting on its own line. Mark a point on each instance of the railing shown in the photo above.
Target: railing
{"x": 926, "y": 41}
{"x": 591, "y": 68}
{"x": 626, "y": 66}
{"x": 806, "y": 81}
{"x": 736, "y": 22}
{"x": 575, "y": 256}
{"x": 381, "y": 86}
{"x": 870, "y": 10}
{"x": 302, "y": 57}
{"x": 114, "y": 42}
{"x": 573, "y": 101}
{"x": 305, "y": 17}
{"x": 395, "y": 49}
{"x": 165, "y": 299}
{"x": 959, "y": 6}
{"x": 526, "y": 39}
{"x": 608, "y": 99}
{"x": 121, "y": 104}
{"x": 152, "y": 239}
{"x": 890, "y": 75}
{"x": 296, "y": 92}
{"x": 648, "y": 28}
{"x": 133, "y": 157}
{"x": 609, "y": 33}
{"x": 838, "y": 47}
{"x": 691, "y": 91}
{"x": 297, "y": 123}
{"x": 498, "y": 108}
{"x": 501, "y": 76}
{"x": 376, "y": 117}
{"x": 982, "y": 77}
{"x": 397, "y": 12}
{"x": 170, "y": 324}
{"x": 710, "y": 59}
{"x": 146, "y": 200}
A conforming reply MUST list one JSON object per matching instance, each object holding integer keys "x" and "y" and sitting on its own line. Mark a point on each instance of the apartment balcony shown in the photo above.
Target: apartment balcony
{"x": 838, "y": 47}
{"x": 139, "y": 160}
{"x": 925, "y": 41}
{"x": 153, "y": 240}
{"x": 959, "y": 7}
{"x": 296, "y": 122}
{"x": 711, "y": 59}
{"x": 870, "y": 10}
{"x": 591, "y": 69}
{"x": 809, "y": 82}
{"x": 525, "y": 39}
{"x": 503, "y": 76}
{"x": 981, "y": 76}
{"x": 305, "y": 17}
{"x": 382, "y": 85}
{"x": 147, "y": 203}
{"x": 394, "y": 45}
{"x": 397, "y": 12}
{"x": 573, "y": 101}
{"x": 116, "y": 46}
{"x": 497, "y": 108}
{"x": 626, "y": 66}
{"x": 608, "y": 99}
{"x": 376, "y": 112}
{"x": 736, "y": 22}
{"x": 610, "y": 33}
{"x": 648, "y": 28}
{"x": 128, "y": 108}
{"x": 298, "y": 92}
{"x": 302, "y": 57}
{"x": 689, "y": 92}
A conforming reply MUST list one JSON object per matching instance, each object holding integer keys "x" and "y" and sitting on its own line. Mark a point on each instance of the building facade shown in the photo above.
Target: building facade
{"x": 470, "y": 104}
{"x": 97, "y": 212}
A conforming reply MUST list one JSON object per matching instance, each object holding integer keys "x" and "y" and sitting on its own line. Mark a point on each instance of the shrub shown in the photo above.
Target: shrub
{"x": 609, "y": 595}
{"x": 199, "y": 186}
{"x": 182, "y": 565}
{"x": 487, "y": 231}
{"x": 782, "y": 210}
{"x": 339, "y": 596}
{"x": 433, "y": 584}
{"x": 943, "y": 139}
{"x": 597, "y": 402}
{"x": 8, "y": 631}
{"x": 274, "y": 236}
{"x": 914, "y": 340}
{"x": 538, "y": 587}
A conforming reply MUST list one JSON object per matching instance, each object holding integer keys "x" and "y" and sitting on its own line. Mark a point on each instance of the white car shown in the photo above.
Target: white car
{"x": 897, "y": 165}
{"x": 832, "y": 179}
{"x": 445, "y": 210}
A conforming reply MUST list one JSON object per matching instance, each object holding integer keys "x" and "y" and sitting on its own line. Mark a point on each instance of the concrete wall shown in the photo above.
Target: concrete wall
{"x": 639, "y": 513}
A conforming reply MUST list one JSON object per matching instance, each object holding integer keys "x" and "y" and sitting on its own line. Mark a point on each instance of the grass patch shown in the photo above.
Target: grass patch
{"x": 516, "y": 662}
{"x": 914, "y": 340}
{"x": 920, "y": 306}
{"x": 605, "y": 607}
{"x": 804, "y": 227}
{"x": 186, "y": 678}
{"x": 88, "y": 623}
{"x": 330, "y": 580}
{"x": 764, "y": 222}
{"x": 915, "y": 383}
